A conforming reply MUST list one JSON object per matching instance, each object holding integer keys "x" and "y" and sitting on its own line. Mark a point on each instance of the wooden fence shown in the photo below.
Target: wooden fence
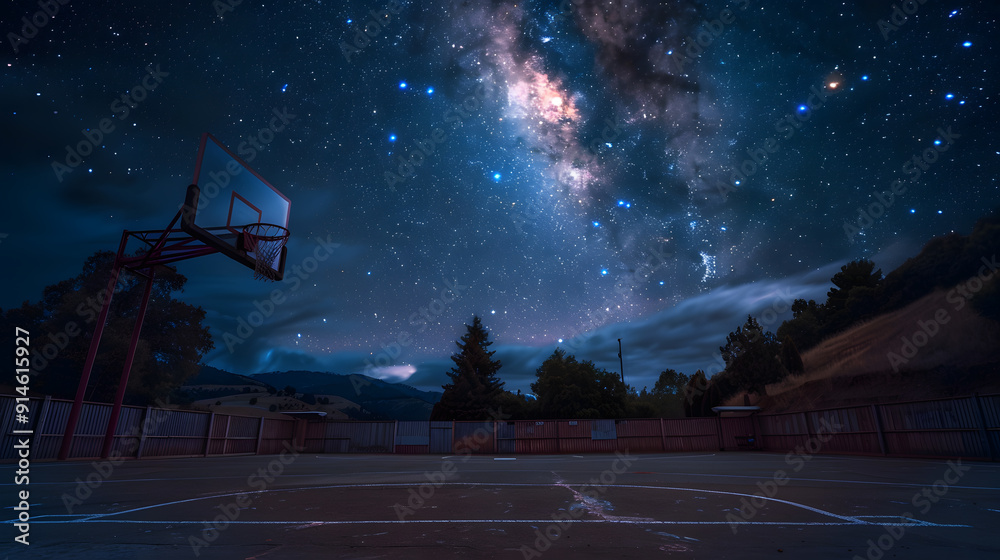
{"x": 966, "y": 427}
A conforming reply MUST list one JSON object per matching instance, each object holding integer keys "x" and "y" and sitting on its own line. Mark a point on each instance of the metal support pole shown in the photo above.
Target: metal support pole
{"x": 621, "y": 361}
{"x": 109, "y": 435}
{"x": 88, "y": 366}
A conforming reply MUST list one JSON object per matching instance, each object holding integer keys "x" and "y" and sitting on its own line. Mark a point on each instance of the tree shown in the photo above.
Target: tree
{"x": 670, "y": 383}
{"x": 694, "y": 394}
{"x": 171, "y": 344}
{"x": 790, "y": 357}
{"x": 751, "y": 356}
{"x": 859, "y": 273}
{"x": 567, "y": 388}
{"x": 806, "y": 325}
{"x": 475, "y": 388}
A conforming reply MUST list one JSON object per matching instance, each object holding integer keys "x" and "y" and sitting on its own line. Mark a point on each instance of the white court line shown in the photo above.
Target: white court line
{"x": 477, "y": 471}
{"x": 493, "y": 521}
{"x": 829, "y": 480}
{"x": 844, "y": 520}
{"x": 850, "y": 520}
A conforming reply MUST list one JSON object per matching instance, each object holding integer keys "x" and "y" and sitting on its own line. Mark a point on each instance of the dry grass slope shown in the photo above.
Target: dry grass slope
{"x": 854, "y": 367}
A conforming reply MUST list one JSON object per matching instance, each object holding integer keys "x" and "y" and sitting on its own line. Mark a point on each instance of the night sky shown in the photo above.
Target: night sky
{"x": 572, "y": 173}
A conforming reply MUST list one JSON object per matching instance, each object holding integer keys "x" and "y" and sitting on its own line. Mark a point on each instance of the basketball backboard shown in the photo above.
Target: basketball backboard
{"x": 225, "y": 195}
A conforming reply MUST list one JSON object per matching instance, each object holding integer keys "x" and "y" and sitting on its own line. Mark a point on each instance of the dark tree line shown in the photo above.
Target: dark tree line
{"x": 564, "y": 388}
{"x": 172, "y": 343}
{"x": 860, "y": 293}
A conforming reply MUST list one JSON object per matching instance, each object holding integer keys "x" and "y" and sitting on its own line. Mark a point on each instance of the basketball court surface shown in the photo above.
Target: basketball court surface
{"x": 702, "y": 505}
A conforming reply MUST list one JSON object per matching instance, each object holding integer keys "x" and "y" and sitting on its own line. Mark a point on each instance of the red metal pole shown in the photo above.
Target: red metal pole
{"x": 74, "y": 413}
{"x": 109, "y": 435}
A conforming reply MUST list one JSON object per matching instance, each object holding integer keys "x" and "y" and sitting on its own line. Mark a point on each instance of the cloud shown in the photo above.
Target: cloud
{"x": 685, "y": 337}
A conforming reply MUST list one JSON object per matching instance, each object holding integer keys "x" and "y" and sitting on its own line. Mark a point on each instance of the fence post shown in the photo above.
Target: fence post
{"x": 260, "y": 435}
{"x": 718, "y": 432}
{"x": 43, "y": 413}
{"x": 758, "y": 435}
{"x": 663, "y": 436}
{"x": 395, "y": 429}
{"x": 208, "y": 434}
{"x": 876, "y": 416}
{"x": 559, "y": 441}
{"x": 981, "y": 416}
{"x": 225, "y": 436}
{"x": 142, "y": 431}
{"x": 809, "y": 425}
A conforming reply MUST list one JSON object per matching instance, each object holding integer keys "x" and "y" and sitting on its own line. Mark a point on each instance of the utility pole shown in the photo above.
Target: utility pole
{"x": 621, "y": 362}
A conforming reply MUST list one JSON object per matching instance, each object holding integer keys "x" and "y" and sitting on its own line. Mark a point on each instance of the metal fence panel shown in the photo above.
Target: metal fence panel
{"x": 474, "y": 437}
{"x": 440, "y": 440}
{"x": 506, "y": 437}
{"x": 958, "y": 427}
{"x": 365, "y": 437}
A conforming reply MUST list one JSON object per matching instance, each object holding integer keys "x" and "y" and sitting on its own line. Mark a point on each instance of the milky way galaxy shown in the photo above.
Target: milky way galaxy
{"x": 572, "y": 171}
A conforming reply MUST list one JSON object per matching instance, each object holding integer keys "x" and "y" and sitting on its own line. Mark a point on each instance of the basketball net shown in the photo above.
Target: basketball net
{"x": 264, "y": 242}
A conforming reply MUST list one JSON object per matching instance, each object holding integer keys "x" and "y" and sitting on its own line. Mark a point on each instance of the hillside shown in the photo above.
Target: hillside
{"x": 383, "y": 399}
{"x": 934, "y": 347}
{"x": 340, "y": 396}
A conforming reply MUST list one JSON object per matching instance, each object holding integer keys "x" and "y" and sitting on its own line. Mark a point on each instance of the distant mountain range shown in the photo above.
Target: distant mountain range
{"x": 356, "y": 396}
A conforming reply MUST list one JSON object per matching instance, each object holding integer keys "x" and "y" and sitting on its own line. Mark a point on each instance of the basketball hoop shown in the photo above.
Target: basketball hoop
{"x": 264, "y": 242}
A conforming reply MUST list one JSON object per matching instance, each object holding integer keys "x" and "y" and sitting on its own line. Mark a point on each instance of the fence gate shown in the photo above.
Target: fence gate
{"x": 737, "y": 433}
{"x": 441, "y": 437}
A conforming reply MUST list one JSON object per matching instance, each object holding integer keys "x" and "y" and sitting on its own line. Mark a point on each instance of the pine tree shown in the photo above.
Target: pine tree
{"x": 475, "y": 388}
